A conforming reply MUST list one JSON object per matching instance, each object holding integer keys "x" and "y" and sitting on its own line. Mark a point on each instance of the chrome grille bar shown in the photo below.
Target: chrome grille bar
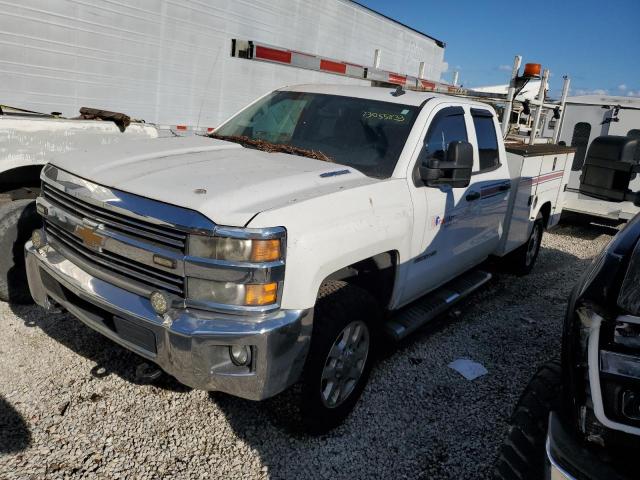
{"x": 136, "y": 228}
{"x": 153, "y": 278}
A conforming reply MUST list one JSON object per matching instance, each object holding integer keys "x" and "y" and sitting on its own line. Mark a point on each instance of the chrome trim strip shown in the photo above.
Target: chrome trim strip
{"x": 234, "y": 272}
{"x": 250, "y": 233}
{"x": 233, "y": 309}
{"x": 125, "y": 283}
{"x": 102, "y": 216}
{"x": 126, "y": 204}
{"x": 115, "y": 242}
{"x": 556, "y": 471}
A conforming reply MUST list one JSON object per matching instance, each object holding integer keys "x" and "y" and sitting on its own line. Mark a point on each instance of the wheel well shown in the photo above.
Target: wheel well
{"x": 375, "y": 274}
{"x": 25, "y": 177}
{"x": 545, "y": 210}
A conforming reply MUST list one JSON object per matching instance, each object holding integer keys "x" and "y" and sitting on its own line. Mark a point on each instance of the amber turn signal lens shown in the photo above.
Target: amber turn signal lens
{"x": 265, "y": 250}
{"x": 265, "y": 294}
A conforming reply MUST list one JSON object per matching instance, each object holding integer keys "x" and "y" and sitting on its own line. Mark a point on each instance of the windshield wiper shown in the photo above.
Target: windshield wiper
{"x": 274, "y": 147}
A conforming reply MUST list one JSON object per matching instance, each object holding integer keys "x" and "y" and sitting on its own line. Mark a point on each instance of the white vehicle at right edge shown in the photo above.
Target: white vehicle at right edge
{"x": 315, "y": 223}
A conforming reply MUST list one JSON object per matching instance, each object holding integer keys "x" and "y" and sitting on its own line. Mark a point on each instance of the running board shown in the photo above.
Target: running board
{"x": 410, "y": 318}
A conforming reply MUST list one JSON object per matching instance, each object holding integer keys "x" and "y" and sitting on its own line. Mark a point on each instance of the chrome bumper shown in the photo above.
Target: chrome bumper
{"x": 568, "y": 459}
{"x": 191, "y": 345}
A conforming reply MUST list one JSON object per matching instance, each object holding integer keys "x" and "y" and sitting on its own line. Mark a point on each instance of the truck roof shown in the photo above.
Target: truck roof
{"x": 382, "y": 94}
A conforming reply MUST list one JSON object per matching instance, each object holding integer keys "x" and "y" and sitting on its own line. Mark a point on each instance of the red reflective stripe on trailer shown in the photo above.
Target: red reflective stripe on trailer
{"x": 395, "y": 78}
{"x": 282, "y": 56}
{"x": 427, "y": 85}
{"x": 210, "y": 129}
{"x": 181, "y": 127}
{"x": 335, "y": 67}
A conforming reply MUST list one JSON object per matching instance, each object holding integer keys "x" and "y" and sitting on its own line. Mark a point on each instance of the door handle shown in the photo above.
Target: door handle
{"x": 504, "y": 187}
{"x": 472, "y": 196}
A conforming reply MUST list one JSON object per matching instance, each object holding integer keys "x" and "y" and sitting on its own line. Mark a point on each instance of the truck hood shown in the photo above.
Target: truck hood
{"x": 224, "y": 181}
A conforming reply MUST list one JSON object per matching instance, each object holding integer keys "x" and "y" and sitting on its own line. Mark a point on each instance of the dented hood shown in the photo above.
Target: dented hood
{"x": 239, "y": 182}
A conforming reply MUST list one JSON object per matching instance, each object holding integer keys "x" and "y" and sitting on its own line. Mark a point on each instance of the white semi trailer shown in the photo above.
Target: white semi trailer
{"x": 167, "y": 63}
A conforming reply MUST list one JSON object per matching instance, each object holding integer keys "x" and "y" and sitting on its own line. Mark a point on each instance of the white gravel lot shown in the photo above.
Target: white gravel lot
{"x": 71, "y": 406}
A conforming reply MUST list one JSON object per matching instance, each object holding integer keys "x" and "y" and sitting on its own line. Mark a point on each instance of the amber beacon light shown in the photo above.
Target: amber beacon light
{"x": 532, "y": 70}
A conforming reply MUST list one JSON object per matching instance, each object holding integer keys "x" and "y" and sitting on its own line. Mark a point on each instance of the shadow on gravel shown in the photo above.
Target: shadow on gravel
{"x": 110, "y": 358}
{"x": 14, "y": 432}
{"x": 418, "y": 418}
{"x": 512, "y": 325}
{"x": 586, "y": 227}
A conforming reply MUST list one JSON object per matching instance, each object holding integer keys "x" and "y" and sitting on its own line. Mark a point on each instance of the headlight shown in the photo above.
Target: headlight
{"x": 227, "y": 293}
{"x": 235, "y": 267}
{"x": 235, "y": 249}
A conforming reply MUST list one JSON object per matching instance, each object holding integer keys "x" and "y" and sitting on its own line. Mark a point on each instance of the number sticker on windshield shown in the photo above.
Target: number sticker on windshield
{"x": 384, "y": 116}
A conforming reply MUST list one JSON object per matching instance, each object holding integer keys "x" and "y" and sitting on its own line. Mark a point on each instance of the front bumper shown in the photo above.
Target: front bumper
{"x": 191, "y": 345}
{"x": 569, "y": 459}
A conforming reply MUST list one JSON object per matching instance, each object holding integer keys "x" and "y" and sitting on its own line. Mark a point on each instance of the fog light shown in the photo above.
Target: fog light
{"x": 38, "y": 239}
{"x": 160, "y": 302}
{"x": 42, "y": 210}
{"x": 631, "y": 405}
{"x": 240, "y": 355}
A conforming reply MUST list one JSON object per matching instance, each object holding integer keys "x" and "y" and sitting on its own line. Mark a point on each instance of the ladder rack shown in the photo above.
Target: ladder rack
{"x": 262, "y": 52}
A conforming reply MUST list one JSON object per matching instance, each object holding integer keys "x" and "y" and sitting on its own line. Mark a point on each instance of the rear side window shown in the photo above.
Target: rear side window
{"x": 487, "y": 139}
{"x": 580, "y": 140}
{"x": 447, "y": 126}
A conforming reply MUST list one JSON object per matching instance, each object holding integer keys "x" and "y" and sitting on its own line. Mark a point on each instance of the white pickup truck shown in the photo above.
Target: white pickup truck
{"x": 315, "y": 223}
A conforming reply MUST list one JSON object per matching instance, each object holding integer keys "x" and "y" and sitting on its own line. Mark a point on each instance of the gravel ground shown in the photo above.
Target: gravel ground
{"x": 72, "y": 406}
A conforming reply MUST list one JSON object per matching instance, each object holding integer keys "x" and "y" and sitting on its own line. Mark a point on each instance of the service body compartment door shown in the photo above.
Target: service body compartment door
{"x": 543, "y": 173}
{"x": 525, "y": 171}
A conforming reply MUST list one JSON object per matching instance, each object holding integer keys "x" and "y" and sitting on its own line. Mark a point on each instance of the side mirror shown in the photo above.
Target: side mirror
{"x": 454, "y": 171}
{"x": 609, "y": 168}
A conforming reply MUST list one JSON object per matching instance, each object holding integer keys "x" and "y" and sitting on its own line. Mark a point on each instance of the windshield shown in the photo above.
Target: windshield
{"x": 367, "y": 135}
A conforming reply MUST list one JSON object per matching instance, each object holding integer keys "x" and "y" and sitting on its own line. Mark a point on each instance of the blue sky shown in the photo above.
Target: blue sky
{"x": 596, "y": 43}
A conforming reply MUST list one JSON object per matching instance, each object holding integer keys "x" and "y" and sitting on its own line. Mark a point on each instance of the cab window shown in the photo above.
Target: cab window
{"x": 489, "y": 157}
{"x": 447, "y": 126}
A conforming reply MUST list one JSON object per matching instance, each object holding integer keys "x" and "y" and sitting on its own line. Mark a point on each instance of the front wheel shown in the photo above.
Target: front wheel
{"x": 18, "y": 219}
{"x": 522, "y": 455}
{"x": 340, "y": 355}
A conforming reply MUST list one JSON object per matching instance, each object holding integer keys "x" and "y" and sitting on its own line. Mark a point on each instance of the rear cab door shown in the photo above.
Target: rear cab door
{"x": 490, "y": 178}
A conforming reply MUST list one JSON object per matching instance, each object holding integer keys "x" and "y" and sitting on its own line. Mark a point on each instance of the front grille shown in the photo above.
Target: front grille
{"x": 144, "y": 231}
{"x": 148, "y": 276}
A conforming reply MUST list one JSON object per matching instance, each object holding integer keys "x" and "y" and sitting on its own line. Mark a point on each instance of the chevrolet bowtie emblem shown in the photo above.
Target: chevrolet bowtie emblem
{"x": 90, "y": 238}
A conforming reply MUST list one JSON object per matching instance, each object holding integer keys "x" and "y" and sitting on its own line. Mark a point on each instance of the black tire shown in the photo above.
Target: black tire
{"x": 522, "y": 455}
{"x": 18, "y": 219}
{"x": 521, "y": 261}
{"x": 337, "y": 306}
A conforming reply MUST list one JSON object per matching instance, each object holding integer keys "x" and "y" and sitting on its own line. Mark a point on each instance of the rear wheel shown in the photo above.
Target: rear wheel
{"x": 522, "y": 260}
{"x": 18, "y": 219}
{"x": 522, "y": 455}
{"x": 340, "y": 356}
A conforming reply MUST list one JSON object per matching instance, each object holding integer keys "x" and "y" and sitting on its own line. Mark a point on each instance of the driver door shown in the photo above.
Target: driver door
{"x": 445, "y": 231}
